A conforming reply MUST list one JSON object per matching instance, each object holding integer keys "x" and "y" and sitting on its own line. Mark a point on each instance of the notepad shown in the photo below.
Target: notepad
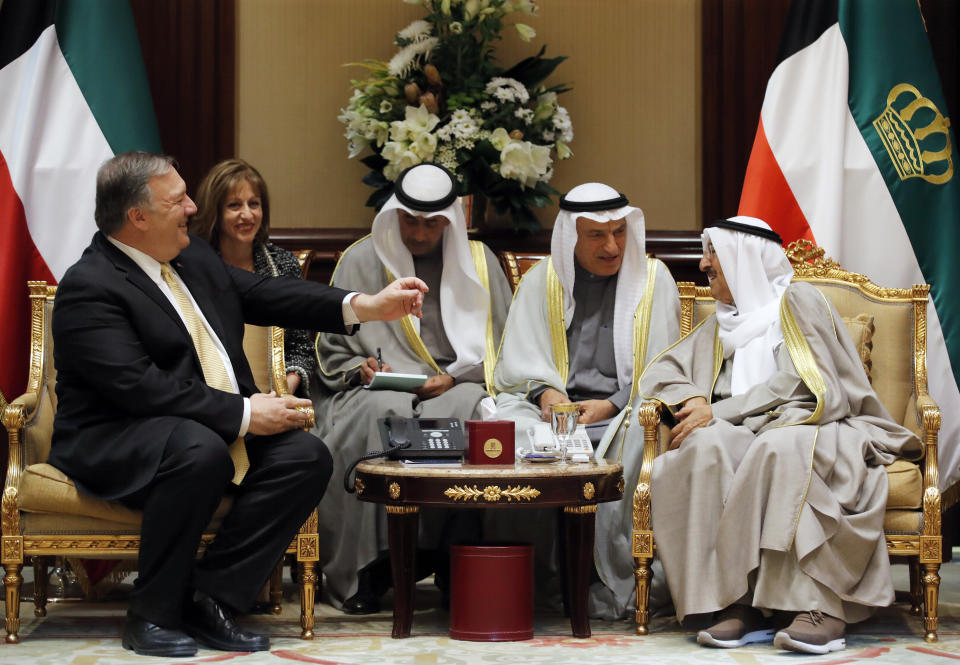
{"x": 396, "y": 381}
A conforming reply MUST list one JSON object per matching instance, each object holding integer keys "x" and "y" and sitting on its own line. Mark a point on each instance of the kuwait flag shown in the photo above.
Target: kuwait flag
{"x": 73, "y": 92}
{"x": 854, "y": 152}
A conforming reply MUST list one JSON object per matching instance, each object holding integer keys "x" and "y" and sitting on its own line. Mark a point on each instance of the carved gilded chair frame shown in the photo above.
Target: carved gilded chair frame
{"x": 922, "y": 550}
{"x": 18, "y": 545}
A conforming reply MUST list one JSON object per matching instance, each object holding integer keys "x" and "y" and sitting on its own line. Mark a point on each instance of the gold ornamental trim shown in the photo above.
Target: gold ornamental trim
{"x": 621, "y": 484}
{"x": 413, "y": 337}
{"x": 931, "y": 512}
{"x": 930, "y": 549}
{"x": 811, "y": 263}
{"x": 558, "y": 326}
{"x": 642, "y": 544}
{"x": 359, "y": 486}
{"x": 588, "y": 490}
{"x": 688, "y": 296}
{"x": 803, "y": 359}
{"x": 580, "y": 510}
{"x": 402, "y": 510}
{"x": 903, "y": 545}
{"x": 11, "y": 550}
{"x": 641, "y": 326}
{"x": 308, "y": 547}
{"x": 491, "y": 493}
{"x": 479, "y": 257}
{"x": 278, "y": 369}
{"x": 394, "y": 491}
{"x": 311, "y": 524}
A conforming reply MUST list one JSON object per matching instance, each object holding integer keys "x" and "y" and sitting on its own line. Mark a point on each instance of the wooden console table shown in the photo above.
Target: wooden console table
{"x": 403, "y": 488}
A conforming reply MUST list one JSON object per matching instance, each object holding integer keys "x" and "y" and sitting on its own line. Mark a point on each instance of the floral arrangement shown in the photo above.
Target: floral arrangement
{"x": 442, "y": 98}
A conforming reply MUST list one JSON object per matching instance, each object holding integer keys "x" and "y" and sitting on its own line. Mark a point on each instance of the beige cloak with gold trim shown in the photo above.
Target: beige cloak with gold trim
{"x": 779, "y": 501}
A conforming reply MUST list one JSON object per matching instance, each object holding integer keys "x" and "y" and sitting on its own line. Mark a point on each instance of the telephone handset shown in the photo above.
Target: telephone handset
{"x": 413, "y": 438}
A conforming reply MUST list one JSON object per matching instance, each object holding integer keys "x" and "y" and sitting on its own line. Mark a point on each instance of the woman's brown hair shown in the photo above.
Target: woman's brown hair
{"x": 213, "y": 192}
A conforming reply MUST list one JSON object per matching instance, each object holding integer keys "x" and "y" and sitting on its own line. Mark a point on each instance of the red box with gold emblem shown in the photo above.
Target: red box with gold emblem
{"x": 490, "y": 442}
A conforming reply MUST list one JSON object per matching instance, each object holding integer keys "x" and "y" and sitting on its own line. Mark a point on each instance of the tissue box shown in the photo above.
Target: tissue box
{"x": 490, "y": 442}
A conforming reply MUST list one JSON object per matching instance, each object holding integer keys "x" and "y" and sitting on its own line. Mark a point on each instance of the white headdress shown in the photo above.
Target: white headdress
{"x": 430, "y": 190}
{"x": 602, "y": 203}
{"x": 757, "y": 273}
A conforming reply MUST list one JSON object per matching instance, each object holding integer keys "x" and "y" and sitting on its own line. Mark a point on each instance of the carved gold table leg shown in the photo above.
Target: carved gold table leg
{"x": 39, "y": 586}
{"x": 308, "y": 580}
{"x": 931, "y": 591}
{"x": 11, "y": 586}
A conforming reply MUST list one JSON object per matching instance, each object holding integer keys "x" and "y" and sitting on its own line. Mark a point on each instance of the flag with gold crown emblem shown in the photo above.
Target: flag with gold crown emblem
{"x": 854, "y": 151}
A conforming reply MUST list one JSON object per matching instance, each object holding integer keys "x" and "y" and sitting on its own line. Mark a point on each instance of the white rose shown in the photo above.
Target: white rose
{"x": 500, "y": 138}
{"x": 424, "y": 146}
{"x": 541, "y": 160}
{"x": 516, "y": 162}
{"x": 399, "y": 159}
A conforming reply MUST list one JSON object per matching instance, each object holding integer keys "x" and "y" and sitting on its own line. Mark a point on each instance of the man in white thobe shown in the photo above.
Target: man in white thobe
{"x": 421, "y": 231}
{"x": 773, "y": 494}
{"x": 583, "y": 325}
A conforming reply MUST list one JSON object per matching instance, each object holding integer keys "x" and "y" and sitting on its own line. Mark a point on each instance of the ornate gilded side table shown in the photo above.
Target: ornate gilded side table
{"x": 404, "y": 488}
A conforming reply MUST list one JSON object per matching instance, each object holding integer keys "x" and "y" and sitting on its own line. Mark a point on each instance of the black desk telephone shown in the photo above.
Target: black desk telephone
{"x": 422, "y": 437}
{"x": 415, "y": 439}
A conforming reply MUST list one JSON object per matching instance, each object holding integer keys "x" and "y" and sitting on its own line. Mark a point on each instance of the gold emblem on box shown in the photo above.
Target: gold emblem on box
{"x": 588, "y": 491}
{"x": 394, "y": 490}
{"x": 492, "y": 448}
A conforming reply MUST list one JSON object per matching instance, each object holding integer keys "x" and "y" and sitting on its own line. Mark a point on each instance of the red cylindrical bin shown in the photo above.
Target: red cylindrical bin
{"x": 491, "y": 593}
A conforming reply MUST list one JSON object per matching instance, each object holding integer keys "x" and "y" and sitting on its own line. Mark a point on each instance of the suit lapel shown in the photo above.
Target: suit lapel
{"x": 139, "y": 279}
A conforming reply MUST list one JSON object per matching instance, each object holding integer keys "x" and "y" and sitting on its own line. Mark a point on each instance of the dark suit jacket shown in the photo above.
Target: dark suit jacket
{"x": 127, "y": 370}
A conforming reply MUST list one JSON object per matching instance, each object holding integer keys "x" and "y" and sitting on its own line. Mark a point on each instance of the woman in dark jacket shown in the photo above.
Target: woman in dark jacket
{"x": 233, "y": 215}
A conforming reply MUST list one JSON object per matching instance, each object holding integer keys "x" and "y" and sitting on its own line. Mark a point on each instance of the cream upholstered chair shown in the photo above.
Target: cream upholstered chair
{"x": 890, "y": 329}
{"x": 43, "y": 515}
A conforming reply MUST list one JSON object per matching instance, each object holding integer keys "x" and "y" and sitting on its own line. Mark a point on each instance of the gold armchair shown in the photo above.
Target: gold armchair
{"x": 42, "y": 515}
{"x": 893, "y": 348}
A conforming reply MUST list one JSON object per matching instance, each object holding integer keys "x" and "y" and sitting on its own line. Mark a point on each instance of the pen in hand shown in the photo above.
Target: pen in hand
{"x": 379, "y": 361}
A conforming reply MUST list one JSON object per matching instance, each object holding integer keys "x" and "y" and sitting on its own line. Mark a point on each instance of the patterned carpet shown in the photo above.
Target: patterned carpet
{"x": 87, "y": 633}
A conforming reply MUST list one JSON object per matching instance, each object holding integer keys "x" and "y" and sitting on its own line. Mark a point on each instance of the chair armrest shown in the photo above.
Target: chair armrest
{"x": 929, "y": 419}
{"x": 15, "y": 417}
{"x": 649, "y": 417}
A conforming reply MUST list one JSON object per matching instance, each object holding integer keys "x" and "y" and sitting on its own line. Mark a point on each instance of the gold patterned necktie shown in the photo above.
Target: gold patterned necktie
{"x": 214, "y": 371}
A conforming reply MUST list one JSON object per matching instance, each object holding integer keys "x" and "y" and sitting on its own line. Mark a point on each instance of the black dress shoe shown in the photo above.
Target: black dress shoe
{"x": 149, "y": 639}
{"x": 212, "y": 624}
{"x": 362, "y": 602}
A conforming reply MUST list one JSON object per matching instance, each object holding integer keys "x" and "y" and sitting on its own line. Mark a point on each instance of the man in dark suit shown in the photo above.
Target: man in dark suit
{"x": 145, "y": 324}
